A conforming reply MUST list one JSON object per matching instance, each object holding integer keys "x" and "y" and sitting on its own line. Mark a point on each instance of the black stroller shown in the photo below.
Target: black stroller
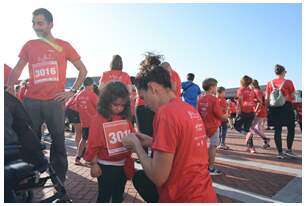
{"x": 24, "y": 161}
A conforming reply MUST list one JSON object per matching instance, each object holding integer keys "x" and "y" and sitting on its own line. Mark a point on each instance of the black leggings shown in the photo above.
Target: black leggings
{"x": 145, "y": 187}
{"x": 111, "y": 184}
{"x": 278, "y": 137}
{"x": 144, "y": 120}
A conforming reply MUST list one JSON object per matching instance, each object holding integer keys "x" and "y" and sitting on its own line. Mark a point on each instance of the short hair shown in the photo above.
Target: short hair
{"x": 255, "y": 84}
{"x": 116, "y": 63}
{"x": 46, "y": 13}
{"x": 246, "y": 81}
{"x": 153, "y": 74}
{"x": 220, "y": 90}
{"x": 279, "y": 69}
{"x": 88, "y": 81}
{"x": 110, "y": 93}
{"x": 208, "y": 83}
{"x": 190, "y": 76}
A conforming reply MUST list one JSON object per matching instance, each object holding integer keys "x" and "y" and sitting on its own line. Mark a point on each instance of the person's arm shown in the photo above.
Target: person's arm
{"x": 151, "y": 166}
{"x": 63, "y": 96}
{"x": 15, "y": 74}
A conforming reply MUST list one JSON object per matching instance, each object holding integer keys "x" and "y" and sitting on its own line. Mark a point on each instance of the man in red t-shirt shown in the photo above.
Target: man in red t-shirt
{"x": 86, "y": 104}
{"x": 212, "y": 116}
{"x": 47, "y": 61}
{"x": 179, "y": 167}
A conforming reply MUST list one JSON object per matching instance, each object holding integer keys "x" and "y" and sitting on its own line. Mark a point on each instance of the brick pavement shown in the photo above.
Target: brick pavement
{"x": 82, "y": 187}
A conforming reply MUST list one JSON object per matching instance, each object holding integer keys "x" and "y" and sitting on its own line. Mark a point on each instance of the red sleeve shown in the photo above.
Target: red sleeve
{"x": 291, "y": 88}
{"x": 127, "y": 80}
{"x": 164, "y": 135}
{"x": 24, "y": 52}
{"x": 71, "y": 53}
{"x": 268, "y": 88}
{"x": 103, "y": 78}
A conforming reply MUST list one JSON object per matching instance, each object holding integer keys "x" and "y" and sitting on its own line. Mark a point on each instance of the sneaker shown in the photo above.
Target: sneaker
{"x": 266, "y": 144}
{"x": 281, "y": 156}
{"x": 214, "y": 171}
{"x": 223, "y": 146}
{"x": 289, "y": 153}
{"x": 251, "y": 150}
{"x": 77, "y": 161}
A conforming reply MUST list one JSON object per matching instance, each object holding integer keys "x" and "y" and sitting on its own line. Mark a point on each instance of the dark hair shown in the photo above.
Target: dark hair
{"x": 132, "y": 80}
{"x": 153, "y": 74}
{"x": 116, "y": 63}
{"x": 47, "y": 14}
{"x": 279, "y": 69}
{"x": 88, "y": 82}
{"x": 220, "y": 90}
{"x": 255, "y": 84}
{"x": 190, "y": 76}
{"x": 208, "y": 83}
{"x": 96, "y": 89}
{"x": 246, "y": 81}
{"x": 110, "y": 92}
{"x": 152, "y": 59}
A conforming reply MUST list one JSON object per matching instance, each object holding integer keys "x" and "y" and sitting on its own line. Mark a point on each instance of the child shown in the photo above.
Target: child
{"x": 110, "y": 161}
{"x": 260, "y": 114}
{"x": 86, "y": 102}
{"x": 245, "y": 111}
{"x": 232, "y": 109}
{"x": 212, "y": 115}
{"x": 223, "y": 126}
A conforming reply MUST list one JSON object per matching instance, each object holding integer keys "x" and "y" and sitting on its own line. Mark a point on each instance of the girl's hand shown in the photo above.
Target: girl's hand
{"x": 95, "y": 170}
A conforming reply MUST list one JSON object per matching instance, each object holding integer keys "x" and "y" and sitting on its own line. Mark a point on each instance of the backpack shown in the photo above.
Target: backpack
{"x": 277, "y": 98}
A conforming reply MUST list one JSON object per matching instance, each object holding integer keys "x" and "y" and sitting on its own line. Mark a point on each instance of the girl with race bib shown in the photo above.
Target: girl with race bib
{"x": 111, "y": 163}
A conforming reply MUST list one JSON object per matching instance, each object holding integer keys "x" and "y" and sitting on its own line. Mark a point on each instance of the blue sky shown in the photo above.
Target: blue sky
{"x": 223, "y": 41}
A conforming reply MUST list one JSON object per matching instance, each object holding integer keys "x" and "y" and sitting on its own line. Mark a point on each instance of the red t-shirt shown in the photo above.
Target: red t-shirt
{"x": 47, "y": 67}
{"x": 262, "y": 111}
{"x": 176, "y": 79}
{"x": 233, "y": 107}
{"x": 211, "y": 113}
{"x": 7, "y": 72}
{"x": 104, "y": 139}
{"x": 179, "y": 129}
{"x": 86, "y": 102}
{"x": 223, "y": 104}
{"x": 287, "y": 89}
{"x": 248, "y": 99}
{"x": 115, "y": 75}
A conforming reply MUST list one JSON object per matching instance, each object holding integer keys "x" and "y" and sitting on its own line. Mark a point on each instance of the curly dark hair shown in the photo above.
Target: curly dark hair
{"x": 110, "y": 93}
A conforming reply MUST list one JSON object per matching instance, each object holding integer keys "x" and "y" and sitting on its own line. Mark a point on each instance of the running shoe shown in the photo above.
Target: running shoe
{"x": 77, "y": 161}
{"x": 281, "y": 156}
{"x": 223, "y": 147}
{"x": 289, "y": 153}
{"x": 251, "y": 150}
{"x": 214, "y": 171}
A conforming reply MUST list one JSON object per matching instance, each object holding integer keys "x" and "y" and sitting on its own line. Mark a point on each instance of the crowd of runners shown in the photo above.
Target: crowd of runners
{"x": 173, "y": 127}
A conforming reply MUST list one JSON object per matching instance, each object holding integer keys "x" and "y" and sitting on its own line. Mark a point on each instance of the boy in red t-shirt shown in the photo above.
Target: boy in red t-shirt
{"x": 179, "y": 166}
{"x": 212, "y": 116}
{"x": 246, "y": 111}
{"x": 225, "y": 110}
{"x": 86, "y": 102}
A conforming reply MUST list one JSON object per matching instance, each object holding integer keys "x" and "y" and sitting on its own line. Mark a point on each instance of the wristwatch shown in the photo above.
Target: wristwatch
{"x": 73, "y": 90}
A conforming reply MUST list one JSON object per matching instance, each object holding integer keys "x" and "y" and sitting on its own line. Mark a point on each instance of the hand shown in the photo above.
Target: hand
{"x": 130, "y": 141}
{"x": 63, "y": 96}
{"x": 95, "y": 170}
{"x": 145, "y": 140}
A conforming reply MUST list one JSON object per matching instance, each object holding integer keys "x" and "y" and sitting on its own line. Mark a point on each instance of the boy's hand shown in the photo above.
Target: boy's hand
{"x": 95, "y": 170}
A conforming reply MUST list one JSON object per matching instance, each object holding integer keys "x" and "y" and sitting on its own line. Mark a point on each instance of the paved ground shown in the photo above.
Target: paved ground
{"x": 259, "y": 177}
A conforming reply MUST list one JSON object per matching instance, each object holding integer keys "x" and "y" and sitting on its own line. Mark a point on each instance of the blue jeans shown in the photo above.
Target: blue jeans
{"x": 222, "y": 132}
